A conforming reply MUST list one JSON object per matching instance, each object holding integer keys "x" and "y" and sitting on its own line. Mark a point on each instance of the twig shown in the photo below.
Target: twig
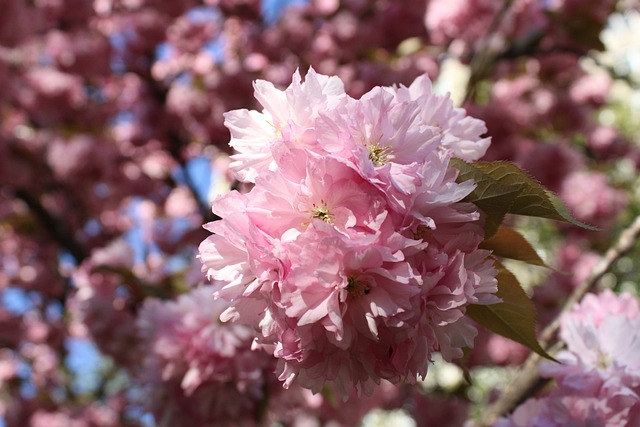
{"x": 519, "y": 388}
{"x": 175, "y": 146}
{"x": 53, "y": 225}
{"x": 482, "y": 57}
{"x": 204, "y": 208}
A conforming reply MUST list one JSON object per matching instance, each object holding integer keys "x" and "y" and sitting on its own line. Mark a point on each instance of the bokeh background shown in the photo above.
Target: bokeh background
{"x": 112, "y": 146}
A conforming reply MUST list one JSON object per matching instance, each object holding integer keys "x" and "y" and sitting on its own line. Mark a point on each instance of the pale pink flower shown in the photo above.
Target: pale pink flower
{"x": 610, "y": 348}
{"x": 253, "y": 133}
{"x": 382, "y": 138}
{"x": 603, "y": 305}
{"x": 455, "y": 274}
{"x": 225, "y": 254}
{"x": 598, "y": 377}
{"x": 603, "y": 336}
{"x": 462, "y": 134}
{"x": 326, "y": 190}
{"x": 390, "y": 134}
{"x": 346, "y": 303}
{"x": 592, "y": 199}
{"x": 353, "y": 256}
{"x": 198, "y": 368}
{"x": 601, "y": 405}
{"x": 381, "y": 128}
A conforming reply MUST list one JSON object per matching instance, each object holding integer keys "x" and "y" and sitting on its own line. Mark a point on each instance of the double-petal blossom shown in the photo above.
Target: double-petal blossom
{"x": 353, "y": 255}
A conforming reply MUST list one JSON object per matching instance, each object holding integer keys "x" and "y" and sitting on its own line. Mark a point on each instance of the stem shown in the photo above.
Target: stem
{"x": 528, "y": 378}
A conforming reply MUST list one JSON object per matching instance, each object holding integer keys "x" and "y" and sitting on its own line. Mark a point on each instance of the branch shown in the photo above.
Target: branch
{"x": 175, "y": 149}
{"x": 482, "y": 57}
{"x": 528, "y": 378}
{"x": 53, "y": 225}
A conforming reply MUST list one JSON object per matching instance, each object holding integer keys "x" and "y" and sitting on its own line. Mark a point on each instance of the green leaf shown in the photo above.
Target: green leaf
{"x": 533, "y": 199}
{"x": 508, "y": 243}
{"x": 521, "y": 194}
{"x": 490, "y": 196}
{"x": 563, "y": 211}
{"x": 514, "y": 317}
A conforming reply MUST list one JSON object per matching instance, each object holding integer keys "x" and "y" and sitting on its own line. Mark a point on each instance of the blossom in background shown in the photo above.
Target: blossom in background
{"x": 110, "y": 110}
{"x": 598, "y": 377}
{"x": 578, "y": 191}
{"x": 197, "y": 368}
{"x": 99, "y": 308}
{"x": 549, "y": 296}
{"x": 603, "y": 338}
{"x": 352, "y": 255}
{"x": 622, "y": 44}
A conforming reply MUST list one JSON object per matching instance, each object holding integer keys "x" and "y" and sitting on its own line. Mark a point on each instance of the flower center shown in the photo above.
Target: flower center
{"x": 322, "y": 212}
{"x": 277, "y": 130}
{"x": 603, "y": 361}
{"x": 379, "y": 154}
{"x": 357, "y": 288}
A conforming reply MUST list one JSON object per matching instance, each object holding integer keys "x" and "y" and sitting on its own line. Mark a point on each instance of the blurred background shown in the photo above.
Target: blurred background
{"x": 112, "y": 146}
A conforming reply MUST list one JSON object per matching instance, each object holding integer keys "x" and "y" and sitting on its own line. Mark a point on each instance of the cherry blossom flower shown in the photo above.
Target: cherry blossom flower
{"x": 196, "y": 367}
{"x": 603, "y": 338}
{"x": 353, "y": 256}
{"x": 295, "y": 108}
{"x": 592, "y": 199}
{"x": 598, "y": 378}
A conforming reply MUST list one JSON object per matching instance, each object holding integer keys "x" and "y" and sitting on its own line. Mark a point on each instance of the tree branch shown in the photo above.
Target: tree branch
{"x": 175, "y": 148}
{"x": 519, "y": 388}
{"x": 482, "y": 57}
{"x": 54, "y": 226}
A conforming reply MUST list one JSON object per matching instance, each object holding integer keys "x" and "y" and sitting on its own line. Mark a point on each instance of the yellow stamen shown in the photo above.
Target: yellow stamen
{"x": 379, "y": 154}
{"x": 322, "y": 212}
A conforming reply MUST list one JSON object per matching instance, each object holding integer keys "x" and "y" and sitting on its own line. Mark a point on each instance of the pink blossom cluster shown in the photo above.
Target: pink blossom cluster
{"x": 598, "y": 378}
{"x": 353, "y": 254}
{"x": 577, "y": 191}
{"x": 199, "y": 371}
{"x": 106, "y": 104}
{"x": 465, "y": 25}
{"x": 99, "y": 308}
